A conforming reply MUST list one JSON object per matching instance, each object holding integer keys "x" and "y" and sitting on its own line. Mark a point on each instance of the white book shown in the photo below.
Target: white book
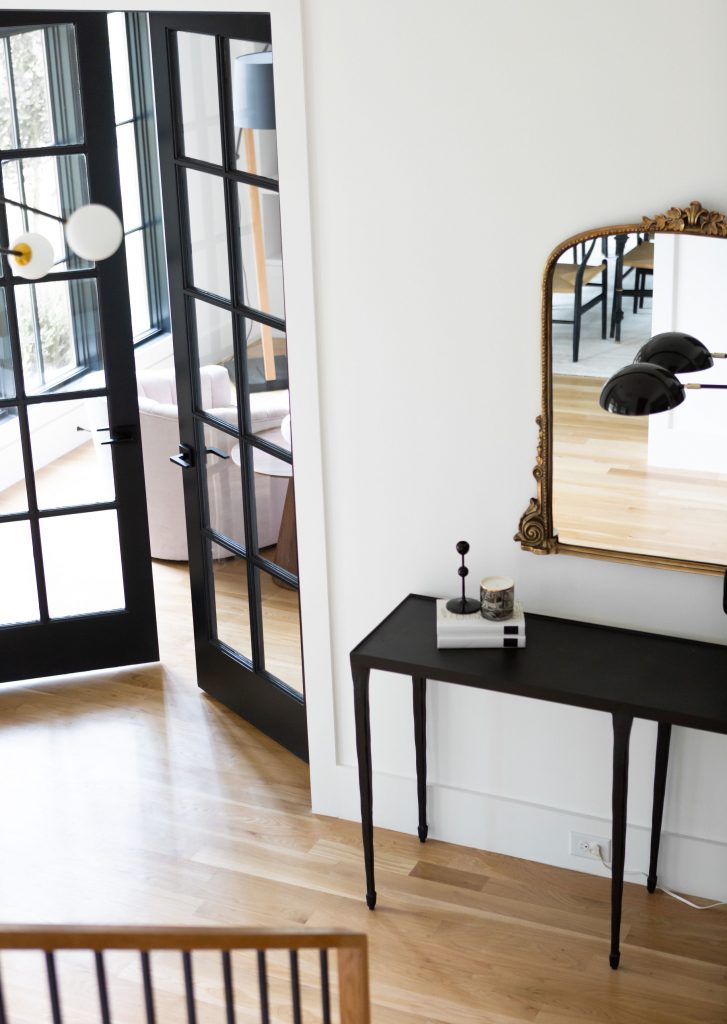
{"x": 464, "y": 640}
{"x": 450, "y": 624}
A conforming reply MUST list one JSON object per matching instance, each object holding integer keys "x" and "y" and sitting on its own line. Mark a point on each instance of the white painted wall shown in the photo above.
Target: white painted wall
{"x": 690, "y": 294}
{"x": 442, "y": 173}
{"x": 443, "y": 170}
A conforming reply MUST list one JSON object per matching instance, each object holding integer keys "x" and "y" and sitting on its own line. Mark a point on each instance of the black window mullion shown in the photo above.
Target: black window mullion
{"x": 244, "y": 177}
{"x": 247, "y": 311}
{"x": 23, "y": 421}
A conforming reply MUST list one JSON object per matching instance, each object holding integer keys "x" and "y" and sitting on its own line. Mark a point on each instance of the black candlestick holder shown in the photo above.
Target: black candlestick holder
{"x": 463, "y": 605}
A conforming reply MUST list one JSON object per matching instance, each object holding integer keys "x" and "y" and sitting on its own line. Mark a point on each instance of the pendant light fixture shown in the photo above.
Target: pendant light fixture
{"x": 93, "y": 232}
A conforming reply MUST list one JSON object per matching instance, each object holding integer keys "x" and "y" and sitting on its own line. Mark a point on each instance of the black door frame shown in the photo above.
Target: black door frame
{"x": 128, "y": 636}
{"x": 239, "y": 683}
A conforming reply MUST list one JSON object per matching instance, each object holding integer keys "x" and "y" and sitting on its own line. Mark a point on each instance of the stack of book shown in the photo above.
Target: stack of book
{"x": 475, "y": 631}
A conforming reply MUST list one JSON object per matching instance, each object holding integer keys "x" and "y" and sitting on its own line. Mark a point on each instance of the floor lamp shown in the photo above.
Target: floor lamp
{"x": 254, "y": 108}
{"x": 649, "y": 385}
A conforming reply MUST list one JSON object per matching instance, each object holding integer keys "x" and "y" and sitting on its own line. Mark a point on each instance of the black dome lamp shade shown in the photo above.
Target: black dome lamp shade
{"x": 676, "y": 352}
{"x": 640, "y": 390}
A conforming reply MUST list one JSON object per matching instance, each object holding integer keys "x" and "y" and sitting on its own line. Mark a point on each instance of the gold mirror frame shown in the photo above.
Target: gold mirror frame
{"x": 535, "y": 532}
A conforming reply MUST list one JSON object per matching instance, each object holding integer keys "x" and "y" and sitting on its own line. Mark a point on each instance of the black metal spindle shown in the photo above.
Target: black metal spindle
{"x": 103, "y": 993}
{"x": 295, "y": 986}
{"x": 325, "y": 988}
{"x": 148, "y": 989}
{"x": 229, "y": 993}
{"x": 55, "y": 1003}
{"x": 262, "y": 972}
{"x": 189, "y": 987}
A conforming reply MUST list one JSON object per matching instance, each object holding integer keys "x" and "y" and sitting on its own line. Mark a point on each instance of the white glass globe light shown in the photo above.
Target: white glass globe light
{"x": 94, "y": 232}
{"x": 36, "y": 256}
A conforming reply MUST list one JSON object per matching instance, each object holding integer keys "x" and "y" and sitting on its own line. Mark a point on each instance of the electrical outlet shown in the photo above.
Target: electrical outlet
{"x": 584, "y": 845}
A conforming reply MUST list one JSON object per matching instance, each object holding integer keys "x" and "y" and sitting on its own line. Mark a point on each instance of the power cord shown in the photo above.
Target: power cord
{"x": 662, "y": 888}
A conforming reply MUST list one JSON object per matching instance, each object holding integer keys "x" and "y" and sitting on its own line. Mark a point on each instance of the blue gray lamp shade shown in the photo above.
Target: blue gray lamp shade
{"x": 253, "y": 97}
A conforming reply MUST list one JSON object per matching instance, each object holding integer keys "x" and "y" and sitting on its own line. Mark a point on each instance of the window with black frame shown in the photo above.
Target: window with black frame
{"x": 39, "y": 111}
{"x": 138, "y": 164}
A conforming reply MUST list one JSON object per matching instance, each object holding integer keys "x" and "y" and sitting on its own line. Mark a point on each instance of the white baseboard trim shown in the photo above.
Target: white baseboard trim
{"x": 693, "y": 865}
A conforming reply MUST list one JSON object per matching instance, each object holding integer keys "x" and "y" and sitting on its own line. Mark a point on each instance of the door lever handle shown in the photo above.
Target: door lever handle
{"x": 217, "y": 452}
{"x": 119, "y": 435}
{"x": 185, "y": 459}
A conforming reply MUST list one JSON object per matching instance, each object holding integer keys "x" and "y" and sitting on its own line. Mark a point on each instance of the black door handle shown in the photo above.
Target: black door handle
{"x": 119, "y": 435}
{"x": 217, "y": 452}
{"x": 185, "y": 459}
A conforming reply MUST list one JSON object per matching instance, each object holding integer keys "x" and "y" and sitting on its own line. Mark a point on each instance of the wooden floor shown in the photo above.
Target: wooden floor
{"x": 131, "y": 797}
{"x": 605, "y": 495}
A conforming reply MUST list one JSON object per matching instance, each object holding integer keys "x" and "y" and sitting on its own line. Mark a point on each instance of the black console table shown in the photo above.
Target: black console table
{"x": 622, "y": 672}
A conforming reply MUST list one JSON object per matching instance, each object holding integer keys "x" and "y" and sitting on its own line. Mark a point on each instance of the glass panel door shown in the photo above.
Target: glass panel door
{"x": 222, "y": 223}
{"x": 75, "y": 586}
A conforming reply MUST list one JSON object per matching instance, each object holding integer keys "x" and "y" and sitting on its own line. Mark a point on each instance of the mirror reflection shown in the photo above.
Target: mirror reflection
{"x": 650, "y": 485}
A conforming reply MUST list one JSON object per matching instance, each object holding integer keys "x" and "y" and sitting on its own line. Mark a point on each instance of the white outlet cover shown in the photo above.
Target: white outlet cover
{"x": 578, "y": 839}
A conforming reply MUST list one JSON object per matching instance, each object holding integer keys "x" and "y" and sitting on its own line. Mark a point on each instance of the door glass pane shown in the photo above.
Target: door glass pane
{"x": 7, "y": 380}
{"x": 208, "y": 233}
{"x": 82, "y": 563}
{"x": 262, "y": 253}
{"x": 72, "y": 466}
{"x": 6, "y": 136}
{"x": 275, "y": 510}
{"x": 224, "y": 485}
{"x": 128, "y": 170}
{"x": 18, "y": 594}
{"x": 13, "y": 496}
{"x": 123, "y": 108}
{"x": 138, "y": 286}
{"x": 232, "y": 612}
{"x": 268, "y": 412}
{"x": 215, "y": 353}
{"x": 253, "y": 103}
{"x": 198, "y": 97}
{"x": 56, "y": 184}
{"x": 59, "y": 333}
{"x": 45, "y": 79}
{"x": 281, "y": 631}
{"x": 267, "y": 355}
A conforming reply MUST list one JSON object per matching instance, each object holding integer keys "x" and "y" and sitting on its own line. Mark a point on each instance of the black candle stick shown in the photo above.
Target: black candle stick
{"x": 463, "y": 605}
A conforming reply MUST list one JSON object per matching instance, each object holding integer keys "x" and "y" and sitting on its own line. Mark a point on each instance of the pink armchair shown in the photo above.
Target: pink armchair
{"x": 160, "y": 438}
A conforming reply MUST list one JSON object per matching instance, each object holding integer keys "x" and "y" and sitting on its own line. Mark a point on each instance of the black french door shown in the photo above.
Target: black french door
{"x": 220, "y": 191}
{"x": 75, "y": 571}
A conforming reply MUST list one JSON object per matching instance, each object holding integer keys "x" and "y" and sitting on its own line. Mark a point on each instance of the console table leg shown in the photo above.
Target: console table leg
{"x": 365, "y": 781}
{"x": 420, "y": 744}
{"x": 621, "y": 733}
{"x": 663, "y": 738}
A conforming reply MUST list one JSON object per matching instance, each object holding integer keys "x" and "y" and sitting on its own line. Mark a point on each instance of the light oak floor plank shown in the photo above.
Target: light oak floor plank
{"x": 132, "y": 797}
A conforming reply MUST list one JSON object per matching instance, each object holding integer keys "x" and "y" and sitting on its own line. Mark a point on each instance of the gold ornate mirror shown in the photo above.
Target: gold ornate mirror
{"x": 641, "y": 489}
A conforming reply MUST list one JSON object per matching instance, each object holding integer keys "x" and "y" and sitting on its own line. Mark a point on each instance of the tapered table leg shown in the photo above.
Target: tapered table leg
{"x": 365, "y": 781}
{"x": 420, "y": 743}
{"x": 621, "y": 733}
{"x": 661, "y": 763}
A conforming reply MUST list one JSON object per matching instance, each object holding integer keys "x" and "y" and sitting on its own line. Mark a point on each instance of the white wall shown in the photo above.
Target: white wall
{"x": 690, "y": 275}
{"x": 442, "y": 172}
{"x": 450, "y": 150}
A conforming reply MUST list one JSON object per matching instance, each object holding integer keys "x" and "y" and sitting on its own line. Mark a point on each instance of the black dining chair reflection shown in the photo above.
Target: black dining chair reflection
{"x": 573, "y": 278}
